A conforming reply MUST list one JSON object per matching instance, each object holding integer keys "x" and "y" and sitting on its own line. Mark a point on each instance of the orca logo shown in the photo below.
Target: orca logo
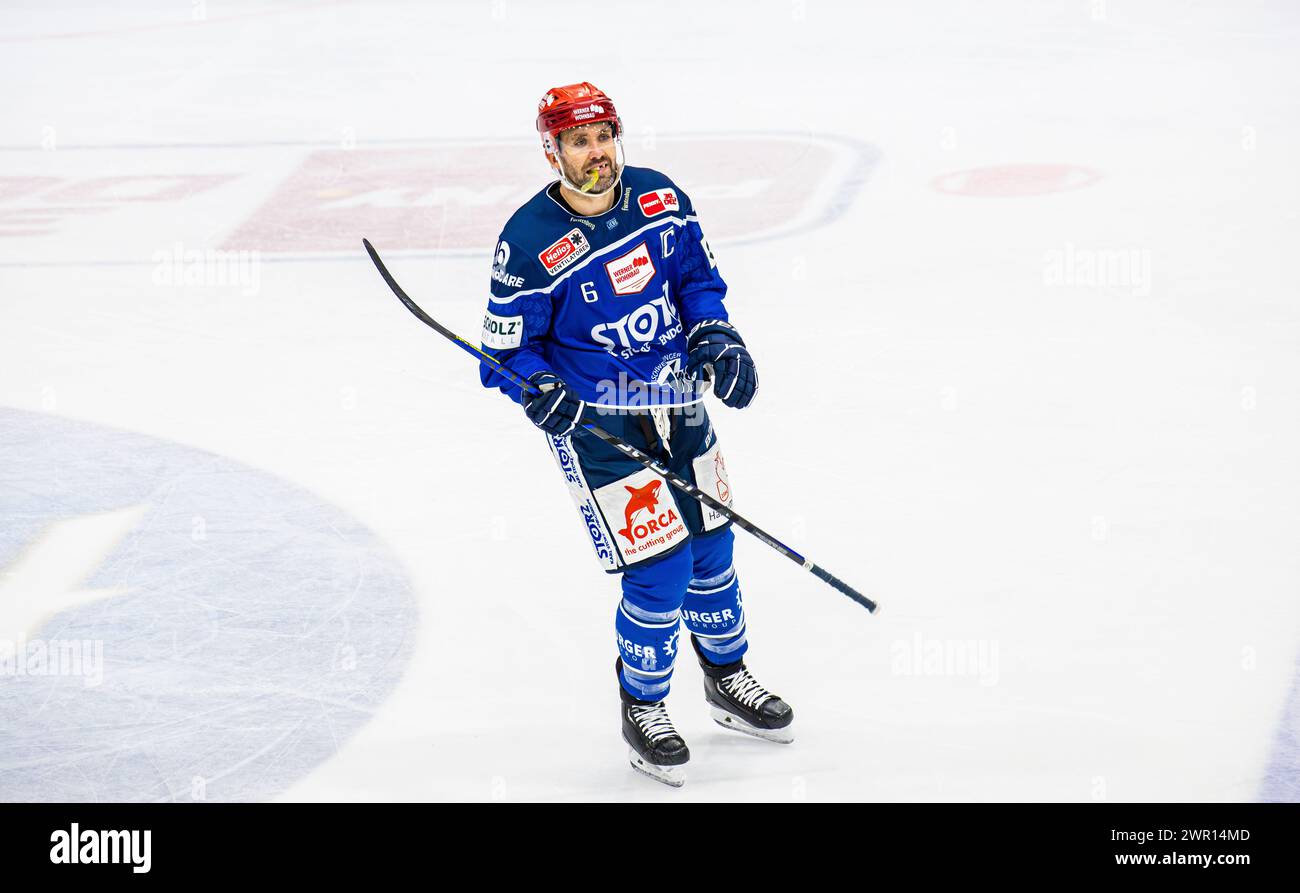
{"x": 248, "y": 629}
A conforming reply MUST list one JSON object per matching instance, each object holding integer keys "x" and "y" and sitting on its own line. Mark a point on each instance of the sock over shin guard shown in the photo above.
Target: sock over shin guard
{"x": 648, "y": 623}
{"x": 648, "y": 645}
{"x": 712, "y": 609}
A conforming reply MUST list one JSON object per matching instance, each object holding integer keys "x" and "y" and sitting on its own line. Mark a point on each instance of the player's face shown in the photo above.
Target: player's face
{"x": 589, "y": 148}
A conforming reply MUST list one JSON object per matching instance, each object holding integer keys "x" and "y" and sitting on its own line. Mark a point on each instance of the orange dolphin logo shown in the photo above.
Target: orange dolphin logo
{"x": 646, "y": 498}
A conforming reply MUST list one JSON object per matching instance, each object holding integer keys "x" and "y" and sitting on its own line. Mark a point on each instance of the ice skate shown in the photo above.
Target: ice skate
{"x": 655, "y": 748}
{"x": 738, "y": 701}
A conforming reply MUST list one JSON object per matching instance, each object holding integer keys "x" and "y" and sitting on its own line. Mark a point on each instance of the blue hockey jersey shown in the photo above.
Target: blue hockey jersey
{"x": 604, "y": 301}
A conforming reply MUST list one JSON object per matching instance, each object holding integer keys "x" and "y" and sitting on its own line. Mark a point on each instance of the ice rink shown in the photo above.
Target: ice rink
{"x": 1019, "y": 278}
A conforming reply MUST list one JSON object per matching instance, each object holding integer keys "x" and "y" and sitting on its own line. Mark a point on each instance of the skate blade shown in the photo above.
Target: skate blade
{"x": 673, "y": 776}
{"x": 736, "y": 724}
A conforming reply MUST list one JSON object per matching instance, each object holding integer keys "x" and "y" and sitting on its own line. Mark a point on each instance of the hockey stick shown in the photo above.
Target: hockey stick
{"x": 626, "y": 448}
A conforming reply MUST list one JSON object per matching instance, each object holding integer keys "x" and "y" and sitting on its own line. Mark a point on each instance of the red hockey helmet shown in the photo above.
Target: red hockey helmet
{"x": 573, "y": 106}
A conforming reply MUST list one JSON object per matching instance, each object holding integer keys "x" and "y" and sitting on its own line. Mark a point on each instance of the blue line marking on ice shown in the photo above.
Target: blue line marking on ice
{"x": 1281, "y": 782}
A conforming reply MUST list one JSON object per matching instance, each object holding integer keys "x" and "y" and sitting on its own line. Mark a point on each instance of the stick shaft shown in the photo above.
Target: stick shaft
{"x": 621, "y": 445}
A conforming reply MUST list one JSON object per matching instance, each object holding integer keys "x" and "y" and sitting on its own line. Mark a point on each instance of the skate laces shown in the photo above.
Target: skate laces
{"x": 652, "y": 720}
{"x": 746, "y": 689}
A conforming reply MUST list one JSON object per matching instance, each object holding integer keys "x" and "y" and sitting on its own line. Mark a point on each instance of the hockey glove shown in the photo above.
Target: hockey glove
{"x": 716, "y": 349}
{"x": 555, "y": 410}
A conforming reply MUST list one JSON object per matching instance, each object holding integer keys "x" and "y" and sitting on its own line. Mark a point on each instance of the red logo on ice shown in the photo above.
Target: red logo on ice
{"x": 1016, "y": 180}
{"x": 392, "y": 193}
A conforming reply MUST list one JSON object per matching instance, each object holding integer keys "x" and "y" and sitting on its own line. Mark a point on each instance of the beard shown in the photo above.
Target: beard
{"x": 580, "y": 174}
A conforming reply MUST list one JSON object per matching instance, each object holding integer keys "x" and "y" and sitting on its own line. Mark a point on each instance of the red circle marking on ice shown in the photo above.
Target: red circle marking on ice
{"x": 1014, "y": 180}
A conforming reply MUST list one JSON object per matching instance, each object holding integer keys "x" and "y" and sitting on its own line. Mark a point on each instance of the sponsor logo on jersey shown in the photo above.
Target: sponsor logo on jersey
{"x": 711, "y": 618}
{"x": 668, "y": 372}
{"x": 711, "y": 477}
{"x": 643, "y": 504}
{"x": 645, "y": 656}
{"x": 562, "y": 253}
{"x": 637, "y": 654}
{"x": 564, "y": 456}
{"x": 643, "y": 499}
{"x": 502, "y": 332}
{"x": 596, "y": 530}
{"x": 631, "y": 272}
{"x": 499, "y": 263}
{"x": 582, "y": 497}
{"x": 652, "y": 323}
{"x": 658, "y": 201}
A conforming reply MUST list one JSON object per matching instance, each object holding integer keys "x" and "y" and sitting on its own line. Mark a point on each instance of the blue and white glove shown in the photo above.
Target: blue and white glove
{"x": 715, "y": 349}
{"x": 555, "y": 410}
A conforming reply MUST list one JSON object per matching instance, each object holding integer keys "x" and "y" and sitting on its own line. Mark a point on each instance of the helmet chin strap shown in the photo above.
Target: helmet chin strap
{"x": 619, "y": 160}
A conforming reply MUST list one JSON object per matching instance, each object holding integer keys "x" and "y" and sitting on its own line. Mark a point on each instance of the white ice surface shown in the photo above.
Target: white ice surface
{"x": 1099, "y": 484}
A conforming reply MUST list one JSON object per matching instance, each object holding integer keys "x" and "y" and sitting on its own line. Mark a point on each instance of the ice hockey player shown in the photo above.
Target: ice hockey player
{"x": 607, "y": 299}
